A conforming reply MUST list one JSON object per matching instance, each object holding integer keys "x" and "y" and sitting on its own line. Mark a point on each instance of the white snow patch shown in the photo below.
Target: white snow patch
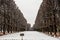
{"x": 28, "y": 35}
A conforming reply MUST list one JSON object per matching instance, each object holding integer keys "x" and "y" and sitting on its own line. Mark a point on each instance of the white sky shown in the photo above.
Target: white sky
{"x": 29, "y": 9}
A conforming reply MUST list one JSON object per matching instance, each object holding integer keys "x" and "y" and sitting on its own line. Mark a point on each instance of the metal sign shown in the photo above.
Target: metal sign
{"x": 22, "y": 34}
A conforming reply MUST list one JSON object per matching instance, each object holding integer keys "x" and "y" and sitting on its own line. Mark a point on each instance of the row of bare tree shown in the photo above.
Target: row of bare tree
{"x": 11, "y": 18}
{"x": 48, "y": 17}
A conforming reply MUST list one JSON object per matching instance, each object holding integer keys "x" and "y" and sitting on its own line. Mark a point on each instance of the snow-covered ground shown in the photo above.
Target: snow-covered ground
{"x": 28, "y": 35}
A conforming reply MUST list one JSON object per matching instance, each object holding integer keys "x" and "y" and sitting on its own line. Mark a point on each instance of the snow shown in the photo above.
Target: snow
{"x": 28, "y": 35}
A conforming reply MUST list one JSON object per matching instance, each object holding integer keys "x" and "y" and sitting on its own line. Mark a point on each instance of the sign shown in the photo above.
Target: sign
{"x": 22, "y": 34}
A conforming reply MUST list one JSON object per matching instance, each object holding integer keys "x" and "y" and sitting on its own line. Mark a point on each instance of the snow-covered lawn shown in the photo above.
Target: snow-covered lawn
{"x": 28, "y": 35}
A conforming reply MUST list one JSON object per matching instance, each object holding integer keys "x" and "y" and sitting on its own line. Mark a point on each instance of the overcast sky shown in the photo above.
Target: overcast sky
{"x": 29, "y": 9}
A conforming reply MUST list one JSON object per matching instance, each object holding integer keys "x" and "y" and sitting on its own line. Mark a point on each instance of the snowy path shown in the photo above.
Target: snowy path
{"x": 28, "y": 35}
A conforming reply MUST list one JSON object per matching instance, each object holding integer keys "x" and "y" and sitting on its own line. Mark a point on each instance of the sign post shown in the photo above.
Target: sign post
{"x": 22, "y": 34}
